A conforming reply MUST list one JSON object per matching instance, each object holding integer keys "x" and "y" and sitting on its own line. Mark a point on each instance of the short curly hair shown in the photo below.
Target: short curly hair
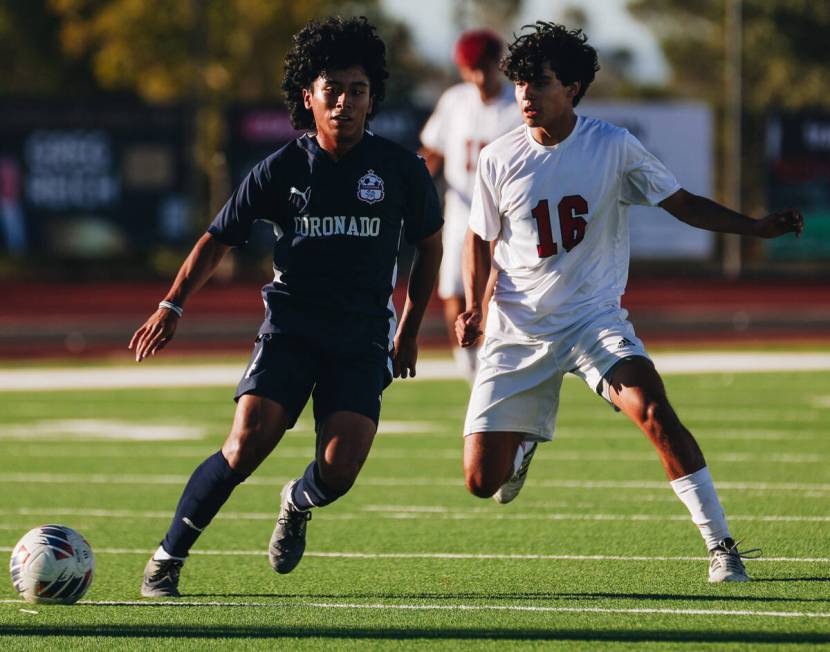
{"x": 565, "y": 51}
{"x": 332, "y": 44}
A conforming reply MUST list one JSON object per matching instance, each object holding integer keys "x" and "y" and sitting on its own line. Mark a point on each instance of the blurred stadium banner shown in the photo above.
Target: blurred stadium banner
{"x": 257, "y": 131}
{"x": 91, "y": 180}
{"x": 798, "y": 164}
{"x": 86, "y": 181}
{"x": 686, "y": 151}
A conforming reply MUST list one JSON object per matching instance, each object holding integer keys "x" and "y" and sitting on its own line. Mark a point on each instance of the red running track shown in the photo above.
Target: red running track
{"x": 54, "y": 320}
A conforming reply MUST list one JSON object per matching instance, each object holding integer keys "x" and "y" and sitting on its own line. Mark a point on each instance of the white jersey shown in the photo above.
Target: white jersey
{"x": 459, "y": 128}
{"x": 559, "y": 215}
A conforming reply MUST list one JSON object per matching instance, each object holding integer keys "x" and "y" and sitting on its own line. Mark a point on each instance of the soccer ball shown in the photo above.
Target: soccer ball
{"x": 52, "y": 564}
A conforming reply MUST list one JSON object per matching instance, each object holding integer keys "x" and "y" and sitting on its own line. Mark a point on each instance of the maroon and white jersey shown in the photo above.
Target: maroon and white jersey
{"x": 459, "y": 128}
{"x": 559, "y": 216}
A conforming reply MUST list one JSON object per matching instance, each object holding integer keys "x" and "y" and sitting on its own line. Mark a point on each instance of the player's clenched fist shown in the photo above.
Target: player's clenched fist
{"x": 776, "y": 224}
{"x": 468, "y": 327}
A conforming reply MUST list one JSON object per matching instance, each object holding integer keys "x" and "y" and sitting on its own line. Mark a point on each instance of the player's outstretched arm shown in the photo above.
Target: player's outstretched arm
{"x": 422, "y": 277}
{"x": 197, "y": 268}
{"x": 707, "y": 214}
{"x": 475, "y": 271}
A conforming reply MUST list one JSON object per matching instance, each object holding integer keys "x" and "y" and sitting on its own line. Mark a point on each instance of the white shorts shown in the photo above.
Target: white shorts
{"x": 449, "y": 278}
{"x": 517, "y": 386}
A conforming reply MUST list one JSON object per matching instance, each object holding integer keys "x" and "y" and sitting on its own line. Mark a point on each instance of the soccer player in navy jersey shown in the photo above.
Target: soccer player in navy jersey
{"x": 339, "y": 199}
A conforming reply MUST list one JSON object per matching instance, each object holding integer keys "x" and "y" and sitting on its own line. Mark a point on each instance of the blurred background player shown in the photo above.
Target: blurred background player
{"x": 467, "y": 117}
{"x": 338, "y": 198}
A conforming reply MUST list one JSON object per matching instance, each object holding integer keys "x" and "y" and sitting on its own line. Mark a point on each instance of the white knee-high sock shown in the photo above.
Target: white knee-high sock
{"x": 697, "y": 492}
{"x": 466, "y": 360}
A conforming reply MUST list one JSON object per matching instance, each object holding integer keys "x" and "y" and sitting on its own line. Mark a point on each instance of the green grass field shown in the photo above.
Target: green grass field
{"x": 596, "y": 553}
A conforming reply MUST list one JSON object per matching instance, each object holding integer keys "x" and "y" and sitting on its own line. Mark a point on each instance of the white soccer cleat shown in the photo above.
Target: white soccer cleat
{"x": 726, "y": 562}
{"x": 510, "y": 489}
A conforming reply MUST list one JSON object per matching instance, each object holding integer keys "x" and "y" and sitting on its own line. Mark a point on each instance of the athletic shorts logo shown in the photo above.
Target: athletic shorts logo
{"x": 624, "y": 342}
{"x": 370, "y": 188}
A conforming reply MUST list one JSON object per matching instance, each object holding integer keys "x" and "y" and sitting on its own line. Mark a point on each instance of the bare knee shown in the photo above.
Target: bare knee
{"x": 258, "y": 426}
{"x": 340, "y": 475}
{"x": 657, "y": 419}
{"x": 654, "y": 417}
{"x": 488, "y": 461}
{"x": 346, "y": 439}
{"x": 246, "y": 449}
{"x": 673, "y": 441}
{"x": 481, "y": 484}
{"x": 638, "y": 391}
{"x": 484, "y": 481}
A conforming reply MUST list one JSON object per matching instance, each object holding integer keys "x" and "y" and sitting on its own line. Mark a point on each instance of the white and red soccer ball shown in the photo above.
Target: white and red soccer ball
{"x": 52, "y": 564}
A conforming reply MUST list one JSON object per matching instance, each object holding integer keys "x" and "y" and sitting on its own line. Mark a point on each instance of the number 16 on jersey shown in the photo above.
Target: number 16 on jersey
{"x": 571, "y": 209}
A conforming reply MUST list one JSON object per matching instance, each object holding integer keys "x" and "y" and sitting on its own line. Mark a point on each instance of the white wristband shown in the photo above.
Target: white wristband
{"x": 171, "y": 306}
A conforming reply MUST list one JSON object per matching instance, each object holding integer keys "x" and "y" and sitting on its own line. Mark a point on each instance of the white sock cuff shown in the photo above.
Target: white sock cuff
{"x": 699, "y": 478}
{"x": 161, "y": 555}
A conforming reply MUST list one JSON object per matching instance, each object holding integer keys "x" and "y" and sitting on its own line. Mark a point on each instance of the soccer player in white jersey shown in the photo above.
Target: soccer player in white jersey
{"x": 552, "y": 197}
{"x": 467, "y": 117}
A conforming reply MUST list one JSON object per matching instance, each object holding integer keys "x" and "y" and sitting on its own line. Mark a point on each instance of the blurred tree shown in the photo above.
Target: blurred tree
{"x": 784, "y": 57}
{"x": 495, "y": 14}
{"x": 34, "y": 63}
{"x": 783, "y": 65}
{"x": 228, "y": 50}
{"x": 209, "y": 54}
{"x": 616, "y": 75}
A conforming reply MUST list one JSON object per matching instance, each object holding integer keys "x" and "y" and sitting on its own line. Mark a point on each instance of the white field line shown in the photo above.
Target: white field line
{"x": 102, "y": 429}
{"x": 116, "y": 430}
{"x": 453, "y": 556}
{"x": 149, "y": 480}
{"x": 747, "y": 414}
{"x": 396, "y": 512}
{"x": 150, "y": 375}
{"x": 453, "y": 607}
{"x": 425, "y": 429}
{"x": 289, "y": 452}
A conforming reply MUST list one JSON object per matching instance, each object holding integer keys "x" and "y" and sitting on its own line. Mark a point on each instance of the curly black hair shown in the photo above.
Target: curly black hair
{"x": 565, "y": 51}
{"x": 332, "y": 44}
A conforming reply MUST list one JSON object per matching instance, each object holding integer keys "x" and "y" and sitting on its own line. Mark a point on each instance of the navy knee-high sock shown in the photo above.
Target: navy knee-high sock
{"x": 207, "y": 490}
{"x": 310, "y": 490}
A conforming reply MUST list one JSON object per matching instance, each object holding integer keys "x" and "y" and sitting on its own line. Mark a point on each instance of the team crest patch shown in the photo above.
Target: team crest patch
{"x": 370, "y": 188}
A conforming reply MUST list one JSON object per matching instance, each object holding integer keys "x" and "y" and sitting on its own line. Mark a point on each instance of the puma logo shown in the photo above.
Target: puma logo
{"x": 303, "y": 198}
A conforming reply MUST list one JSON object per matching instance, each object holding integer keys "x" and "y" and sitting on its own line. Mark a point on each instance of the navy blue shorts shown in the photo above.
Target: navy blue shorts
{"x": 288, "y": 369}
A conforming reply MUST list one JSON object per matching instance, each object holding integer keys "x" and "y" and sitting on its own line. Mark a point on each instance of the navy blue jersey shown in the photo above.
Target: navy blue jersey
{"x": 337, "y": 227}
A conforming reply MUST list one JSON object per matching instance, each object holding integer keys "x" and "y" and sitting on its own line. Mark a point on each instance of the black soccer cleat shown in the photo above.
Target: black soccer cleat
{"x": 288, "y": 540}
{"x": 161, "y": 578}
